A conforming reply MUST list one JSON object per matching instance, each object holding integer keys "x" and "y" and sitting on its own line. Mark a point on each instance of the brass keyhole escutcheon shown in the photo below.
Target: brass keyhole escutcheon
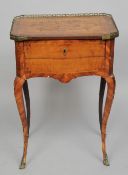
{"x": 65, "y": 51}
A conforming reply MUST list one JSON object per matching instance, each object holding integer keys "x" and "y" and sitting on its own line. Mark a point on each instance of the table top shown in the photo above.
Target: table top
{"x": 64, "y": 26}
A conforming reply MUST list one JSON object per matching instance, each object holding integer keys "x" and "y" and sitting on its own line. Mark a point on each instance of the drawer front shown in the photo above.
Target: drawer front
{"x": 62, "y": 49}
{"x": 67, "y": 66}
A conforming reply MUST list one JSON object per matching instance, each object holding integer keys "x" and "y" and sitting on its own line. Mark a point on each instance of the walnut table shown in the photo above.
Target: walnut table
{"x": 64, "y": 47}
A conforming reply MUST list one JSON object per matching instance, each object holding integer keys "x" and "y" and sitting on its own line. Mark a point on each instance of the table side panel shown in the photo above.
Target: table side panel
{"x": 85, "y": 60}
{"x": 48, "y": 56}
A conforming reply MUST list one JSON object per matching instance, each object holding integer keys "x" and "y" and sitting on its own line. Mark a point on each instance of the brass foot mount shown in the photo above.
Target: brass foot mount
{"x": 22, "y": 164}
{"x": 106, "y": 161}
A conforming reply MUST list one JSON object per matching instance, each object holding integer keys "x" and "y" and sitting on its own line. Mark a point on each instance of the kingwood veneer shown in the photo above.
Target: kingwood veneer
{"x": 64, "y": 47}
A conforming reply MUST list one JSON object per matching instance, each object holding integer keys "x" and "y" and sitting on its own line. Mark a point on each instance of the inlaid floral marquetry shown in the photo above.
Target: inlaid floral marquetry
{"x": 64, "y": 47}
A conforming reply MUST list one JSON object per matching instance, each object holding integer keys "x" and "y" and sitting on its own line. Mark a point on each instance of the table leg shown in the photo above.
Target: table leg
{"x": 109, "y": 99}
{"x": 18, "y": 85}
{"x": 101, "y": 97}
{"x": 27, "y": 100}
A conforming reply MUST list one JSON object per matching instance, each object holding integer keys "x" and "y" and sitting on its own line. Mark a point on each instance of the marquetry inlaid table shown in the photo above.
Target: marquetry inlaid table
{"x": 64, "y": 47}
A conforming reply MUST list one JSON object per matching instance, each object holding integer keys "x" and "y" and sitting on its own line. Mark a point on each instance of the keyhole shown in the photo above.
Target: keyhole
{"x": 65, "y": 51}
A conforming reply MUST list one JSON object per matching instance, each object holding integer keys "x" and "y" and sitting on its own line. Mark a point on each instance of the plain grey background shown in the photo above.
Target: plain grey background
{"x": 64, "y": 136}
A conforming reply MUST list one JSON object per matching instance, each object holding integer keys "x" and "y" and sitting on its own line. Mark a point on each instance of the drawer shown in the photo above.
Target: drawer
{"x": 61, "y": 49}
{"x": 67, "y": 66}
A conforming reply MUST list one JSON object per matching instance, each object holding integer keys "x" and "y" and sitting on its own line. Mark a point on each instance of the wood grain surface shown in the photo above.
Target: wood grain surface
{"x": 64, "y": 27}
{"x": 64, "y": 49}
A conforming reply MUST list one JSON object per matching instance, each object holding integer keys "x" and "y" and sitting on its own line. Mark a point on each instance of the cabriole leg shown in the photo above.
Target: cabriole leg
{"x": 27, "y": 99}
{"x": 18, "y": 85}
{"x": 109, "y": 99}
{"x": 101, "y": 97}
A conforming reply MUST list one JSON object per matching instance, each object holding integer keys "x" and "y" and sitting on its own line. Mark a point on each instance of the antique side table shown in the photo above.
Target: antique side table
{"x": 64, "y": 47}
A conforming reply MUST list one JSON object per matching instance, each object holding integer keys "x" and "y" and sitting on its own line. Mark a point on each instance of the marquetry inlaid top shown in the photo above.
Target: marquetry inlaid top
{"x": 72, "y": 26}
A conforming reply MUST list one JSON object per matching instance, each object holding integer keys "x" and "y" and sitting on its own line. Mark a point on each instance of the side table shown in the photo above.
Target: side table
{"x": 64, "y": 47}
